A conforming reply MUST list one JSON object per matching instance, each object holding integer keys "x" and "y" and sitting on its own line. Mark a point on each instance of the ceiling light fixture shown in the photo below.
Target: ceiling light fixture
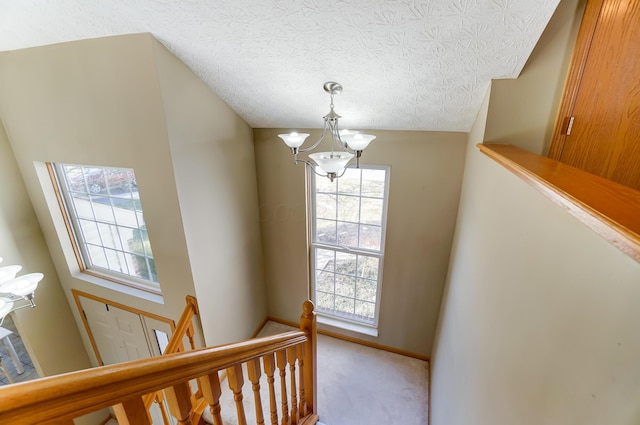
{"x": 16, "y": 292}
{"x": 333, "y": 163}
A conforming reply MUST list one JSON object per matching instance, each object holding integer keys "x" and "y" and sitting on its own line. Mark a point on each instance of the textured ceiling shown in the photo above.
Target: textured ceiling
{"x": 404, "y": 64}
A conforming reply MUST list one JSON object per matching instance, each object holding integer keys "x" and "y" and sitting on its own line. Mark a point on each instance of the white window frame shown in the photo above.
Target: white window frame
{"x": 338, "y": 320}
{"x": 79, "y": 244}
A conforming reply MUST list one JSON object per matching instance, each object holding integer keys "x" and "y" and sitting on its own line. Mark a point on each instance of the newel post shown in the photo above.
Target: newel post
{"x": 308, "y": 325}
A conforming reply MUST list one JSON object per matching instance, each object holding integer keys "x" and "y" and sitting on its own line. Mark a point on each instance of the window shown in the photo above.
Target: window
{"x": 347, "y": 248}
{"x": 103, "y": 208}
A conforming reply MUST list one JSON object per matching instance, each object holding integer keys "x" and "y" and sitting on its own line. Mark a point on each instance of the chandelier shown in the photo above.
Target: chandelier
{"x": 345, "y": 144}
{"x": 16, "y": 292}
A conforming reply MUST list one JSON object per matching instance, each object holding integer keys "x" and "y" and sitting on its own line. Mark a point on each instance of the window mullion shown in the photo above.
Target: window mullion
{"x": 359, "y": 207}
{"x": 347, "y": 250}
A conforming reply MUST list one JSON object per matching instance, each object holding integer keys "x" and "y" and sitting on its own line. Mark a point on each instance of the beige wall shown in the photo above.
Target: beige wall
{"x": 426, "y": 171}
{"x": 97, "y": 102}
{"x": 214, "y": 165}
{"x": 126, "y": 101}
{"x": 523, "y": 111}
{"x": 55, "y": 349}
{"x": 539, "y": 318}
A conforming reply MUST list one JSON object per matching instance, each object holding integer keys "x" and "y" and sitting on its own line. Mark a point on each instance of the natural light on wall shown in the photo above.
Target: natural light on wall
{"x": 348, "y": 232}
{"x": 108, "y": 229}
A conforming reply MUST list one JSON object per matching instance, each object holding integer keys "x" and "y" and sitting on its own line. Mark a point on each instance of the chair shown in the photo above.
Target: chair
{"x": 4, "y": 337}
{"x": 3, "y": 369}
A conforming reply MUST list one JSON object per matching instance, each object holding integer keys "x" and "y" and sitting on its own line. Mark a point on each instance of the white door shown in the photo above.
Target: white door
{"x": 119, "y": 334}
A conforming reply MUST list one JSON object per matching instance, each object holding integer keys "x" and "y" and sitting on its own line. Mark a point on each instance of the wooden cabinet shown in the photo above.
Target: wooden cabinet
{"x": 598, "y": 128}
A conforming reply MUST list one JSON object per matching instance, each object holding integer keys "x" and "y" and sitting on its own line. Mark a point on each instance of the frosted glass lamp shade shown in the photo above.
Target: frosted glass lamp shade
{"x": 9, "y": 272}
{"x": 331, "y": 162}
{"x": 358, "y": 141}
{"x": 294, "y": 140}
{"x": 346, "y": 134}
{"x": 5, "y": 307}
{"x": 23, "y": 285}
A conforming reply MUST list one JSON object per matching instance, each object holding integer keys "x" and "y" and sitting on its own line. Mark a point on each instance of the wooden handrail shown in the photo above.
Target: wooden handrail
{"x": 185, "y": 322}
{"x": 184, "y": 328}
{"x": 128, "y": 387}
{"x": 64, "y": 397}
{"x": 608, "y": 208}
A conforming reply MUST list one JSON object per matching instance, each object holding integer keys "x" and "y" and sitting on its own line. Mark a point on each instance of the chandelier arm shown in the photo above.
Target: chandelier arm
{"x": 343, "y": 145}
{"x": 311, "y": 165}
{"x": 30, "y": 303}
{"x": 315, "y": 145}
{"x": 330, "y": 176}
{"x": 349, "y": 164}
{"x": 335, "y": 132}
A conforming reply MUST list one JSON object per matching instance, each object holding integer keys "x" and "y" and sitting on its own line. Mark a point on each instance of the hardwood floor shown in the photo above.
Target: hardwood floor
{"x": 29, "y": 370}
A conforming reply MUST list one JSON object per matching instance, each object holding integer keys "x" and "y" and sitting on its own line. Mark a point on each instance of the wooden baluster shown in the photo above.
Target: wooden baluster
{"x": 236, "y": 381}
{"x": 308, "y": 325}
{"x": 132, "y": 412}
{"x": 253, "y": 367}
{"x": 190, "y": 334}
{"x": 179, "y": 401}
{"x": 302, "y": 408}
{"x": 269, "y": 369}
{"x": 291, "y": 354}
{"x": 211, "y": 391}
{"x": 159, "y": 398}
{"x": 281, "y": 360}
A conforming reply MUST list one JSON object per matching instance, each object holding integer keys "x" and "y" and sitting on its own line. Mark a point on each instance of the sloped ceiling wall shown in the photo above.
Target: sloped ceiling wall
{"x": 404, "y": 64}
{"x": 101, "y": 102}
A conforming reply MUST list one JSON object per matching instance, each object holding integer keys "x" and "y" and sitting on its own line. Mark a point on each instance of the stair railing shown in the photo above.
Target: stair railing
{"x": 184, "y": 329}
{"x": 59, "y": 399}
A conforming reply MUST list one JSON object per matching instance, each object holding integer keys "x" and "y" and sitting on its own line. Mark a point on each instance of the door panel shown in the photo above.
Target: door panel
{"x": 119, "y": 334}
{"x": 605, "y": 134}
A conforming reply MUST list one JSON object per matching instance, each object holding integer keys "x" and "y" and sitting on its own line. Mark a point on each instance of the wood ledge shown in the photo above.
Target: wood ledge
{"x": 608, "y": 208}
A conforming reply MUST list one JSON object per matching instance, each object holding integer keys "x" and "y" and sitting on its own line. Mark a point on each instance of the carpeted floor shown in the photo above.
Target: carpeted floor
{"x": 359, "y": 385}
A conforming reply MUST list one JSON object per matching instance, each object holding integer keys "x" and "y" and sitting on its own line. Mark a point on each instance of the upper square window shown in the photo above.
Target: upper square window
{"x": 103, "y": 207}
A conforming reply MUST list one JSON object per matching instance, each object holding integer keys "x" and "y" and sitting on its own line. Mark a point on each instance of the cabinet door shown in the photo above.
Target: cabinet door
{"x": 605, "y": 132}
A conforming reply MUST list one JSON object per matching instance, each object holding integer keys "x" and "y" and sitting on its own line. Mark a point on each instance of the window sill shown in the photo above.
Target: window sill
{"x": 119, "y": 287}
{"x": 348, "y": 326}
{"x": 607, "y": 208}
